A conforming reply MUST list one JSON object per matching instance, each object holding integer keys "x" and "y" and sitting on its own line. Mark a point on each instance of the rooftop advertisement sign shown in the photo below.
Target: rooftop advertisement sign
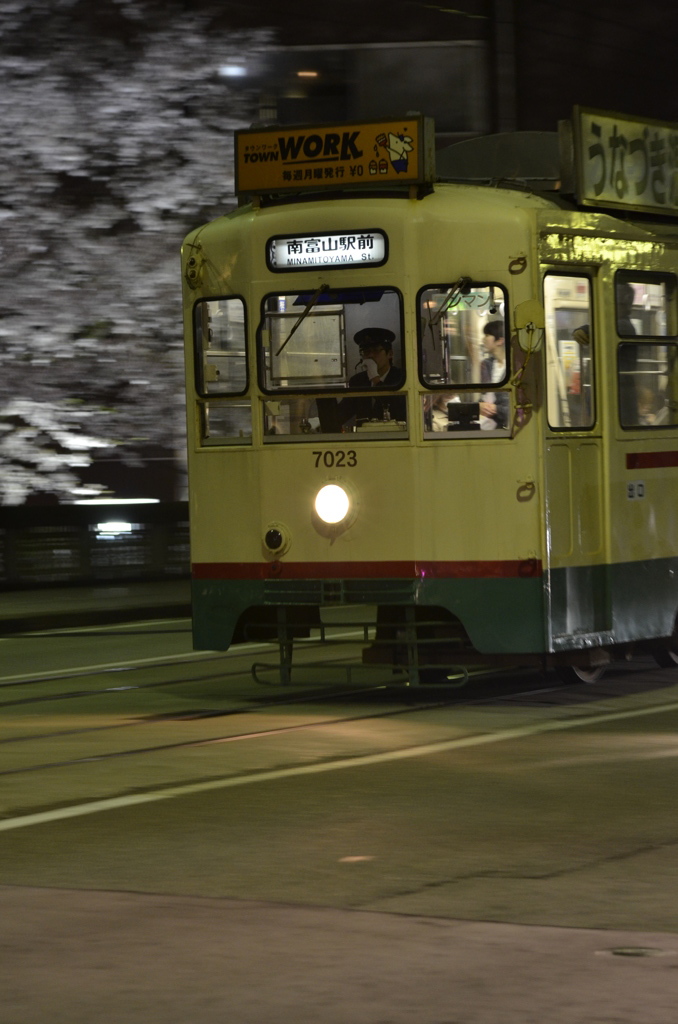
{"x": 291, "y": 158}
{"x": 624, "y": 162}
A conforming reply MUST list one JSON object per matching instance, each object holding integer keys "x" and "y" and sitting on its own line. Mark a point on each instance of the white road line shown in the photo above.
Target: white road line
{"x": 60, "y": 673}
{"x": 425, "y": 750}
{"x": 237, "y": 650}
{"x": 139, "y": 624}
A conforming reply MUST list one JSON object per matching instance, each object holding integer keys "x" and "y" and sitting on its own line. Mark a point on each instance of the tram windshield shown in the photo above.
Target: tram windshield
{"x": 330, "y": 341}
{"x": 464, "y": 356}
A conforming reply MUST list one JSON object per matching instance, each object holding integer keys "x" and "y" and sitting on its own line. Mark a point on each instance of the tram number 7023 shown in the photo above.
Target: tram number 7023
{"x": 333, "y": 460}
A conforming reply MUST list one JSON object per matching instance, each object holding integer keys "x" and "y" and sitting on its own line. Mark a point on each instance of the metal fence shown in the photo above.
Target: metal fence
{"x": 61, "y": 544}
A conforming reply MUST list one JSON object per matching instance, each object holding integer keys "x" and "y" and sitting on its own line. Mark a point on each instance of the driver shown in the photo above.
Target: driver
{"x": 375, "y": 345}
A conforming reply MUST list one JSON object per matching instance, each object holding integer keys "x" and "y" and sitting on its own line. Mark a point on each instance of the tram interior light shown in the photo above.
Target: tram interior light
{"x": 332, "y": 504}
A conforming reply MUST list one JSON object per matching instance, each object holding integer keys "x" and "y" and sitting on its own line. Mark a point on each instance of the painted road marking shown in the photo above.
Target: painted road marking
{"x": 60, "y": 673}
{"x": 237, "y": 650}
{"x": 441, "y": 747}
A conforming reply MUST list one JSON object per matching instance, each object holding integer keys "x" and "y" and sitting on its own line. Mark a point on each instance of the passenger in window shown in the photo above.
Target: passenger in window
{"x": 494, "y": 405}
{"x": 628, "y": 358}
{"x": 625, "y": 299}
{"x": 652, "y": 409}
{"x": 439, "y": 418}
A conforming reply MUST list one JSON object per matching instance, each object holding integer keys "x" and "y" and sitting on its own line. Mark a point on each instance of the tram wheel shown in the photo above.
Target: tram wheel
{"x": 577, "y": 674}
{"x": 666, "y": 657}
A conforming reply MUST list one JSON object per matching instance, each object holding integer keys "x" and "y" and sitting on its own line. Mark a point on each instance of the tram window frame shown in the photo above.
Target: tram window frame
{"x": 464, "y": 414}
{"x": 200, "y": 351}
{"x": 670, "y": 311}
{"x": 341, "y": 386}
{"x": 581, "y": 339}
{"x": 469, "y": 385}
{"x": 658, "y": 410}
{"x": 211, "y": 412}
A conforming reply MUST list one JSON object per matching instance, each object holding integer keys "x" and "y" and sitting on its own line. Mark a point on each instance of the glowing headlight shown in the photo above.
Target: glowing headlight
{"x": 332, "y": 503}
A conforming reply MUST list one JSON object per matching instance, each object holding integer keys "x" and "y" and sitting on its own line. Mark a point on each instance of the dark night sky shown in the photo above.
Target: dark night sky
{"x": 615, "y": 54}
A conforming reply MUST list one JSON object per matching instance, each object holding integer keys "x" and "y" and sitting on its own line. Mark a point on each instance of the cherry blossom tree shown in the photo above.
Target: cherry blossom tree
{"x": 118, "y": 124}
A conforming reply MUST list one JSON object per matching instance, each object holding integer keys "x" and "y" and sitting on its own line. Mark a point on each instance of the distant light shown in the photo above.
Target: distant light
{"x": 113, "y": 529}
{"x": 117, "y": 501}
{"x": 307, "y": 74}
{"x": 232, "y": 71}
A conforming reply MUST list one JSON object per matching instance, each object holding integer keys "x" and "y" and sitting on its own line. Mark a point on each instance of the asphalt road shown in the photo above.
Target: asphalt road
{"x": 378, "y": 857}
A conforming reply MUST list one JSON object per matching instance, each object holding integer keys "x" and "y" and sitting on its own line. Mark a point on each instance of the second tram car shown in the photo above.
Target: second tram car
{"x": 448, "y": 408}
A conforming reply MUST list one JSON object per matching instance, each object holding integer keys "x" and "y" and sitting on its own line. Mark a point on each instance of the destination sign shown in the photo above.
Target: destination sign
{"x": 625, "y": 162}
{"x": 280, "y": 159}
{"x": 344, "y": 249}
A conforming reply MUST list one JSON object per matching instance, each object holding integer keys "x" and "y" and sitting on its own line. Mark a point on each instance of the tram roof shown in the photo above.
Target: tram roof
{"x": 530, "y": 159}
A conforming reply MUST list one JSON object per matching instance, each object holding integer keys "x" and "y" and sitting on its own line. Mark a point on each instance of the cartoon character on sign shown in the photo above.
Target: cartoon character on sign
{"x": 398, "y": 147}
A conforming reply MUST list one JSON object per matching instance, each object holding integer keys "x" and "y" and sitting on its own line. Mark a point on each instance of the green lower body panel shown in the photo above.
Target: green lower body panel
{"x": 500, "y": 616}
{"x": 565, "y": 609}
{"x": 622, "y": 603}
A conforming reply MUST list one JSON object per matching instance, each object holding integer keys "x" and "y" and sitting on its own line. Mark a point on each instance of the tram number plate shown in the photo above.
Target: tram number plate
{"x": 335, "y": 459}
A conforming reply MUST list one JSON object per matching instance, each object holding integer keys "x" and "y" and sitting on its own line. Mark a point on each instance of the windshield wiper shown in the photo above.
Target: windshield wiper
{"x": 461, "y": 287}
{"x": 307, "y": 309}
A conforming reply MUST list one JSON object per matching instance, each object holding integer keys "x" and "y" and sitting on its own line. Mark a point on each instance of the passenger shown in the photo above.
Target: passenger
{"x": 437, "y": 410}
{"x": 494, "y": 406}
{"x": 629, "y": 410}
{"x": 625, "y": 300}
{"x": 375, "y": 345}
{"x": 652, "y": 408}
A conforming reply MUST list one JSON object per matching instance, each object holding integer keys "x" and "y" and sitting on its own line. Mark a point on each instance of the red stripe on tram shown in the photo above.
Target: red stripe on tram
{"x": 366, "y": 570}
{"x": 651, "y": 460}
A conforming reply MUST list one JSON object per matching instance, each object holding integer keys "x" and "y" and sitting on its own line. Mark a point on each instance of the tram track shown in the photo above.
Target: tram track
{"x": 333, "y": 756}
{"x": 559, "y": 696}
{"x": 227, "y": 738}
{"x": 58, "y": 726}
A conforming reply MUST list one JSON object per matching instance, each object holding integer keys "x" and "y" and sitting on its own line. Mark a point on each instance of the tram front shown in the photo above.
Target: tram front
{"x": 356, "y": 442}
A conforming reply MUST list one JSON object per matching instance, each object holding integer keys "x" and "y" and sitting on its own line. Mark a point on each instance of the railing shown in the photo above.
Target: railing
{"x": 84, "y": 544}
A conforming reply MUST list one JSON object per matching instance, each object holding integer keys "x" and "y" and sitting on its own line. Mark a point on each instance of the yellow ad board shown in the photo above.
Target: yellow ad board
{"x": 293, "y": 157}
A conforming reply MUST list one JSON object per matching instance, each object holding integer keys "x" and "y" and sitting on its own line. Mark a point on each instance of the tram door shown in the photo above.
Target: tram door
{"x": 576, "y": 594}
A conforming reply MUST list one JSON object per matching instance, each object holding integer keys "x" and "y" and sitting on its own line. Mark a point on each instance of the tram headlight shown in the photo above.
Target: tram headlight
{"x": 332, "y": 504}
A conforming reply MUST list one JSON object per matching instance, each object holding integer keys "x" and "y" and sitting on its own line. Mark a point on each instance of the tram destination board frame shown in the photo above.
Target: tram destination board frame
{"x": 623, "y": 162}
{"x": 293, "y": 158}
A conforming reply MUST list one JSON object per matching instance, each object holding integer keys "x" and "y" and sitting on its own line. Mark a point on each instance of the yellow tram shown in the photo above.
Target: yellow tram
{"x": 443, "y": 400}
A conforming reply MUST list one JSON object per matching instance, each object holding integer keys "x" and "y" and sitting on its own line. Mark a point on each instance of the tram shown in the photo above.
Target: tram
{"x": 437, "y": 393}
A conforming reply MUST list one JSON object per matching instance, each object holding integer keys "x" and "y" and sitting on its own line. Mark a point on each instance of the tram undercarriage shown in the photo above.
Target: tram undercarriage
{"x": 417, "y": 645}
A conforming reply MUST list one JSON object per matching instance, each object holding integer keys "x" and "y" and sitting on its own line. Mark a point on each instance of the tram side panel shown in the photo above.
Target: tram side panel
{"x": 611, "y": 489}
{"x": 643, "y": 448}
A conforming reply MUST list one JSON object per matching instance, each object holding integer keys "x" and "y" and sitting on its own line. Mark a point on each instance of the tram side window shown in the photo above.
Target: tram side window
{"x": 645, "y": 307}
{"x": 221, "y": 371}
{"x": 219, "y": 329}
{"x": 569, "y": 352}
{"x": 227, "y": 422}
{"x": 463, "y": 356}
{"x": 648, "y": 384}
